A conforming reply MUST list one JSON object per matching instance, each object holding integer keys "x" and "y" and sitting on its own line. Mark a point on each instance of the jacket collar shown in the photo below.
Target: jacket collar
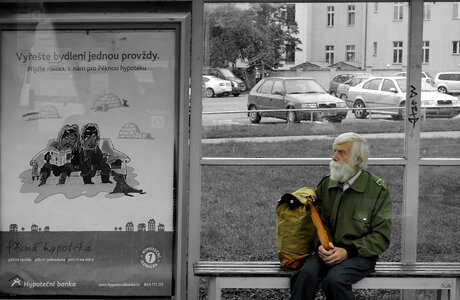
{"x": 358, "y": 185}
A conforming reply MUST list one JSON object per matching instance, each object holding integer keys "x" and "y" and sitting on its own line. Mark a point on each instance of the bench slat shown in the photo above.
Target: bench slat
{"x": 441, "y": 276}
{"x": 382, "y": 269}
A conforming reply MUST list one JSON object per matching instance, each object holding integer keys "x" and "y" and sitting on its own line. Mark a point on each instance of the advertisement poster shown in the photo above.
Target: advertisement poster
{"x": 87, "y": 162}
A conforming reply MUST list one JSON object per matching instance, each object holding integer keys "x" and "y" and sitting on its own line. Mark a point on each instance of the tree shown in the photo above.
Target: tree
{"x": 257, "y": 34}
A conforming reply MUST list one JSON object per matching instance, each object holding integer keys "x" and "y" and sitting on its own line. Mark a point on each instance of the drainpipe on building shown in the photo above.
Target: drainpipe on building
{"x": 364, "y": 56}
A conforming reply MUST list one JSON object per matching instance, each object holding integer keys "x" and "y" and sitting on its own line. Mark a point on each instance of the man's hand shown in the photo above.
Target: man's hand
{"x": 333, "y": 256}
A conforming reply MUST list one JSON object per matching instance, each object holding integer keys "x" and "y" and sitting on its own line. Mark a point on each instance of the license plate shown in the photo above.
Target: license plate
{"x": 329, "y": 113}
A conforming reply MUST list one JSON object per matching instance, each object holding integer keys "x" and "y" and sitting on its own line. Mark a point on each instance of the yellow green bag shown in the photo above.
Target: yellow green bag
{"x": 295, "y": 230}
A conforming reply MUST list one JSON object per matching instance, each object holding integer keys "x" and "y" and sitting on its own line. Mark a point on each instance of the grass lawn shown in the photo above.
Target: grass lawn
{"x": 238, "y": 202}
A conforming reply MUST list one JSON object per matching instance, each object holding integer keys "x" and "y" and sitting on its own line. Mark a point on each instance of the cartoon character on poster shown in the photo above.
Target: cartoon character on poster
{"x": 79, "y": 157}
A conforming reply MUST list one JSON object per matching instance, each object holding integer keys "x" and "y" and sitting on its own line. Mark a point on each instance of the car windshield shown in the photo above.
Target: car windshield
{"x": 227, "y": 73}
{"x": 426, "y": 87}
{"x": 428, "y": 75}
{"x": 355, "y": 81}
{"x": 303, "y": 86}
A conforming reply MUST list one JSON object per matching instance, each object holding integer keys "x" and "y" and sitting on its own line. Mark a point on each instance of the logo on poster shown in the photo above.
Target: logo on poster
{"x": 158, "y": 121}
{"x": 150, "y": 257}
{"x": 17, "y": 282}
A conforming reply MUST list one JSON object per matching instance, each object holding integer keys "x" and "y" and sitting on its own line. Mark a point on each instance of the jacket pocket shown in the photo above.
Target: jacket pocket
{"x": 362, "y": 222}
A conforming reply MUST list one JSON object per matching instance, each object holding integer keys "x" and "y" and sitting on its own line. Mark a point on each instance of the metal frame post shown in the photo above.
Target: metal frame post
{"x": 194, "y": 222}
{"x": 412, "y": 137}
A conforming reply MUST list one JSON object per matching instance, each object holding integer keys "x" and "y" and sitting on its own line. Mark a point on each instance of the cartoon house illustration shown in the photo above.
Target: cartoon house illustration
{"x": 132, "y": 131}
{"x": 151, "y": 225}
{"x": 141, "y": 227}
{"x": 107, "y": 101}
{"x": 46, "y": 112}
{"x": 34, "y": 228}
{"x": 161, "y": 227}
{"x": 13, "y": 227}
{"x": 129, "y": 226}
{"x": 49, "y": 112}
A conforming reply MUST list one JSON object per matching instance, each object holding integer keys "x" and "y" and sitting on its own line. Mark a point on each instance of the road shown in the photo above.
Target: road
{"x": 220, "y": 104}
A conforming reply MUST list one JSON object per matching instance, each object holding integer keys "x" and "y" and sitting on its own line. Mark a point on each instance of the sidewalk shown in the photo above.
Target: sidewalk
{"x": 424, "y": 135}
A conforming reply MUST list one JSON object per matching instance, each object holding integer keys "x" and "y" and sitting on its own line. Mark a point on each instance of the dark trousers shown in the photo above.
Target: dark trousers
{"x": 335, "y": 281}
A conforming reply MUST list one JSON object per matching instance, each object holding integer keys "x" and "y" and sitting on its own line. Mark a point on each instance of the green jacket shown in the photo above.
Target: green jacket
{"x": 358, "y": 219}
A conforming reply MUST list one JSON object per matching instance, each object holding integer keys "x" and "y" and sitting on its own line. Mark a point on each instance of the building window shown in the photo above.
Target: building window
{"x": 456, "y": 47}
{"x": 330, "y": 16}
{"x": 351, "y": 15}
{"x": 290, "y": 54}
{"x": 350, "y": 52}
{"x": 398, "y": 11}
{"x": 330, "y": 54}
{"x": 290, "y": 47}
{"x": 427, "y": 11}
{"x": 456, "y": 10}
{"x": 375, "y": 49}
{"x": 426, "y": 52}
{"x": 397, "y": 52}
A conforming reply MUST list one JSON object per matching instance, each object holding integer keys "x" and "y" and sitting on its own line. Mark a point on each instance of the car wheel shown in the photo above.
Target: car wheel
{"x": 442, "y": 89}
{"x": 254, "y": 116}
{"x": 359, "y": 112}
{"x": 401, "y": 112}
{"x": 209, "y": 92}
{"x": 236, "y": 94}
{"x": 291, "y": 116}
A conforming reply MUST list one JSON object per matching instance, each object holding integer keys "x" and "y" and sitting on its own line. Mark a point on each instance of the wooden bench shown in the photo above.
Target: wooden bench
{"x": 444, "y": 277}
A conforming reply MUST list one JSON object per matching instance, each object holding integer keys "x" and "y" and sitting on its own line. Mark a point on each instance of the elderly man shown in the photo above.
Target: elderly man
{"x": 356, "y": 211}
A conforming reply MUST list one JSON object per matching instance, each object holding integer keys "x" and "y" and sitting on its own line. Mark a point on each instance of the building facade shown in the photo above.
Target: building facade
{"x": 374, "y": 35}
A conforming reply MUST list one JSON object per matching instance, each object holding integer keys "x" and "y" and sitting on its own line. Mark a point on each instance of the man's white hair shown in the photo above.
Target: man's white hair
{"x": 359, "y": 149}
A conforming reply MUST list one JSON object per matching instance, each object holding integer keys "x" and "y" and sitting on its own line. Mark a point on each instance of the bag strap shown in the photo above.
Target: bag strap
{"x": 320, "y": 231}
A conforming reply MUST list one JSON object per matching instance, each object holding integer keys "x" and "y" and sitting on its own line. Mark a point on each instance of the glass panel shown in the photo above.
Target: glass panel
{"x": 244, "y": 38}
{"x": 440, "y": 127}
{"x": 238, "y": 208}
{"x": 438, "y": 222}
{"x": 238, "y": 217}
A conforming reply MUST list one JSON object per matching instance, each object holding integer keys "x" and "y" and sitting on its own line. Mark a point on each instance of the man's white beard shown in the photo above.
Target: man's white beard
{"x": 341, "y": 172}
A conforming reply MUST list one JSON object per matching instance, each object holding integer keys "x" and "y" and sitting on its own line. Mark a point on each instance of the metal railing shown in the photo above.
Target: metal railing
{"x": 369, "y": 111}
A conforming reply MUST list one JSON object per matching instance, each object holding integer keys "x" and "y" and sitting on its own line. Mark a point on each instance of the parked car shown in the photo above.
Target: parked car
{"x": 389, "y": 95}
{"x": 342, "y": 89}
{"x": 425, "y": 75}
{"x": 447, "y": 82}
{"x": 238, "y": 85}
{"x": 283, "y": 95}
{"x": 337, "y": 80}
{"x": 213, "y": 86}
